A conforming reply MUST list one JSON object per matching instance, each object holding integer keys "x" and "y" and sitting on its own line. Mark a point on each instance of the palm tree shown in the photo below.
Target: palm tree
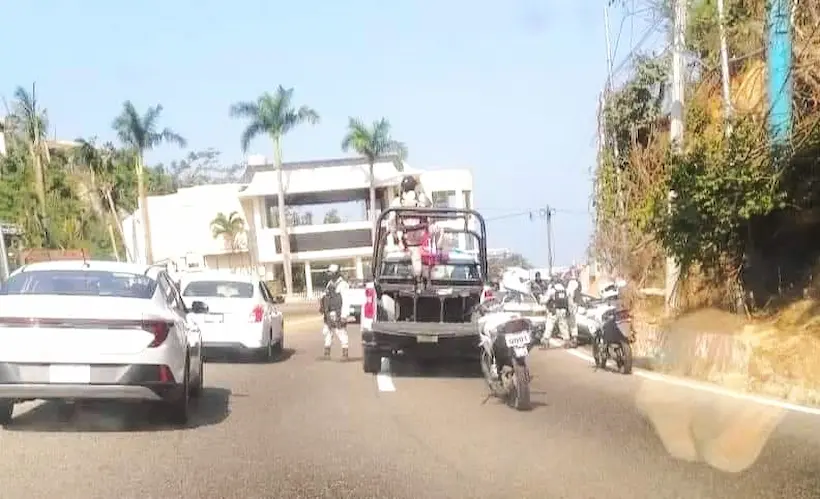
{"x": 275, "y": 115}
{"x": 101, "y": 165}
{"x": 141, "y": 134}
{"x": 372, "y": 143}
{"x": 229, "y": 227}
{"x": 31, "y": 124}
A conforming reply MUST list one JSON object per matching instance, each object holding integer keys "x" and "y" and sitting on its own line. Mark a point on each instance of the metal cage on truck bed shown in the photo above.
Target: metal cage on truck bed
{"x": 467, "y": 217}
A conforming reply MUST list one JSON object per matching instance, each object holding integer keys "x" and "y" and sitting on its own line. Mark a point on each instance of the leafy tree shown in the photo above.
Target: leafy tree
{"x": 275, "y": 115}
{"x": 332, "y": 217}
{"x": 229, "y": 227}
{"x": 373, "y": 143}
{"x": 139, "y": 134}
{"x": 203, "y": 168}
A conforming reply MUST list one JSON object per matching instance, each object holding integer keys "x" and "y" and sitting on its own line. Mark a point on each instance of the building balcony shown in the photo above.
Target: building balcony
{"x": 317, "y": 242}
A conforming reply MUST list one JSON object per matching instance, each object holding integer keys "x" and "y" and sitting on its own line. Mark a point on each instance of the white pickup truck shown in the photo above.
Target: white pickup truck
{"x": 355, "y": 296}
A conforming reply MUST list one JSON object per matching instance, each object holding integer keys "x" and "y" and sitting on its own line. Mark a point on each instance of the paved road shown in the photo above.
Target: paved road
{"x": 306, "y": 428}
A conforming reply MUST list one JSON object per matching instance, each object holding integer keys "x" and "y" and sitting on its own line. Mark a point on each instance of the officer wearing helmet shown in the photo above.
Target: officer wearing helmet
{"x": 558, "y": 314}
{"x": 335, "y": 310}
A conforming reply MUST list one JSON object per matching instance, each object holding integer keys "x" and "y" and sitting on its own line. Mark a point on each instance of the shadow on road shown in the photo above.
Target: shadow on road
{"x": 217, "y": 357}
{"x": 212, "y": 408}
{"x": 414, "y": 368}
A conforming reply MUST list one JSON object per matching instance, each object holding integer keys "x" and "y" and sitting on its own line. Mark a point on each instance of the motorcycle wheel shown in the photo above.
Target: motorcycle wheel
{"x": 520, "y": 394}
{"x": 624, "y": 359}
{"x": 599, "y": 352}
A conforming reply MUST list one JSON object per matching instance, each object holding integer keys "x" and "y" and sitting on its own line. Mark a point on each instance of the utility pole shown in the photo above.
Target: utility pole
{"x": 550, "y": 251}
{"x": 676, "y": 129}
{"x": 780, "y": 79}
{"x": 728, "y": 111}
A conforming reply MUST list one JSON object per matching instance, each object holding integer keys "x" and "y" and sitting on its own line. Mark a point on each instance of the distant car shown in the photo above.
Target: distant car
{"x": 525, "y": 304}
{"x": 356, "y": 297}
{"x": 74, "y": 330}
{"x": 235, "y": 313}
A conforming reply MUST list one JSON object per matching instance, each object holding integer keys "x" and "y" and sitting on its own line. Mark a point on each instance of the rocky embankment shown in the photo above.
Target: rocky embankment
{"x": 776, "y": 357}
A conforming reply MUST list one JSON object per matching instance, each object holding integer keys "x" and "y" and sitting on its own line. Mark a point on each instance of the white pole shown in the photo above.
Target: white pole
{"x": 724, "y": 68}
{"x": 676, "y": 128}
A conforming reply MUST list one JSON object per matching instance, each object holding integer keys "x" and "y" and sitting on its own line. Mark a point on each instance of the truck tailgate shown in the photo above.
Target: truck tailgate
{"x": 442, "y": 330}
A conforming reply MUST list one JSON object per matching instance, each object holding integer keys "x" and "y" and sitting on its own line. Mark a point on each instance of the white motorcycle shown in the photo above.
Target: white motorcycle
{"x": 506, "y": 340}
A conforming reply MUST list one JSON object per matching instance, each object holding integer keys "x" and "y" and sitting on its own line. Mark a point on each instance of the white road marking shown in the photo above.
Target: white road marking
{"x": 383, "y": 379}
{"x": 710, "y": 388}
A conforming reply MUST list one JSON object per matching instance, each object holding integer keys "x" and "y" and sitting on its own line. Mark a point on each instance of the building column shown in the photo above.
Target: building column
{"x": 359, "y": 268}
{"x": 308, "y": 280}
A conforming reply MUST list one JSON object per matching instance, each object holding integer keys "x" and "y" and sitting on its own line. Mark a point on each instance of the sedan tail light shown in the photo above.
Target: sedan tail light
{"x": 257, "y": 314}
{"x": 159, "y": 329}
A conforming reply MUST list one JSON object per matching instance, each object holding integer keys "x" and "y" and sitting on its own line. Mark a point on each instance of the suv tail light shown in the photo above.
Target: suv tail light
{"x": 622, "y": 316}
{"x": 487, "y": 295}
{"x": 256, "y": 314}
{"x": 369, "y": 309}
{"x": 159, "y": 329}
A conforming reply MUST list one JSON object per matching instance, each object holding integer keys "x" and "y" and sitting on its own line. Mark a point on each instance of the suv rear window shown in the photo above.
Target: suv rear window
{"x": 80, "y": 283}
{"x": 218, "y": 289}
{"x": 448, "y": 272}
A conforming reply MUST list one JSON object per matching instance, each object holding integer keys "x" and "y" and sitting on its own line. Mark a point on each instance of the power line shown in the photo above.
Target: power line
{"x": 537, "y": 212}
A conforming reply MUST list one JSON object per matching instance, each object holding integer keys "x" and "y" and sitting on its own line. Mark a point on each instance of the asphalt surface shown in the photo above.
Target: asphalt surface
{"x": 303, "y": 428}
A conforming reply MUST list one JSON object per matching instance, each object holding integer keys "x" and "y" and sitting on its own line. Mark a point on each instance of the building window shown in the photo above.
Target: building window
{"x": 468, "y": 205}
{"x": 444, "y": 199}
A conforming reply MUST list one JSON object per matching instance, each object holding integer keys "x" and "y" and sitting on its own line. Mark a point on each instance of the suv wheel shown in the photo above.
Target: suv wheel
{"x": 6, "y": 411}
{"x": 371, "y": 361}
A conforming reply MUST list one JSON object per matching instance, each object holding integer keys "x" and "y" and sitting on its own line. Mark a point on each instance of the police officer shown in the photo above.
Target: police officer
{"x": 335, "y": 311}
{"x": 558, "y": 313}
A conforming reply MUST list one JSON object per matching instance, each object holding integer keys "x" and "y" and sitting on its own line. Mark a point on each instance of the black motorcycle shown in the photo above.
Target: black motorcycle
{"x": 613, "y": 341}
{"x": 504, "y": 353}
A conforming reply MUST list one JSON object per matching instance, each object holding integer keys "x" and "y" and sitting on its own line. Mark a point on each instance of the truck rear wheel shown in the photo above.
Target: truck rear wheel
{"x": 371, "y": 361}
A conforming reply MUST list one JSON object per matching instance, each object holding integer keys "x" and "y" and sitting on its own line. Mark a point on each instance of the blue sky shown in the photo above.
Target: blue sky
{"x": 508, "y": 89}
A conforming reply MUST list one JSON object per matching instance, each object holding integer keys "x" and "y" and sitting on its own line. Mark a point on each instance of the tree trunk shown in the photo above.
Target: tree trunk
{"x": 39, "y": 178}
{"x": 143, "y": 197}
{"x": 284, "y": 238}
{"x": 113, "y": 242}
{"x": 372, "y": 205}
{"x": 118, "y": 224}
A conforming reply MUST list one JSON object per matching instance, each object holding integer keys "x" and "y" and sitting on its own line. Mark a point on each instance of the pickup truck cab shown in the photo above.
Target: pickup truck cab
{"x": 355, "y": 297}
{"x": 437, "y": 320}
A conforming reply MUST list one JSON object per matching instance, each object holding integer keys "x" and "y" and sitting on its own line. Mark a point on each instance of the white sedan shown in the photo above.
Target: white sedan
{"x": 235, "y": 313}
{"x": 74, "y": 330}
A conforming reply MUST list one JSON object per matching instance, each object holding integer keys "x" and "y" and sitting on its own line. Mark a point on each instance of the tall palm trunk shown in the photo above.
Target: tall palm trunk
{"x": 284, "y": 238}
{"x": 39, "y": 177}
{"x": 146, "y": 222}
{"x": 372, "y": 205}
{"x": 117, "y": 223}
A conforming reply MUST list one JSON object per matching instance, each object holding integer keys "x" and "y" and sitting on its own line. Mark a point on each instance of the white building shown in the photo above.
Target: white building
{"x": 180, "y": 223}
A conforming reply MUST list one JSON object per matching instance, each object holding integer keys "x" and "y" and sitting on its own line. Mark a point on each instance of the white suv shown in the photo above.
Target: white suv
{"x": 97, "y": 330}
{"x": 235, "y": 313}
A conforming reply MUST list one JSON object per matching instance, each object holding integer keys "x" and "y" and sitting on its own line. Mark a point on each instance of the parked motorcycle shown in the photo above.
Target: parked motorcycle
{"x": 506, "y": 340}
{"x": 613, "y": 341}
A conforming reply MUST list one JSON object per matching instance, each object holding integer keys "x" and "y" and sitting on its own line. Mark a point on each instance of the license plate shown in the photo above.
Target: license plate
{"x": 521, "y": 339}
{"x": 214, "y": 318}
{"x": 63, "y": 373}
{"x": 520, "y": 352}
{"x": 424, "y": 338}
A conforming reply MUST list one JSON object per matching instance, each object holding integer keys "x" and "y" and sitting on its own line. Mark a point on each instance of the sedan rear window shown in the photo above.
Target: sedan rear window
{"x": 80, "y": 283}
{"x": 218, "y": 289}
